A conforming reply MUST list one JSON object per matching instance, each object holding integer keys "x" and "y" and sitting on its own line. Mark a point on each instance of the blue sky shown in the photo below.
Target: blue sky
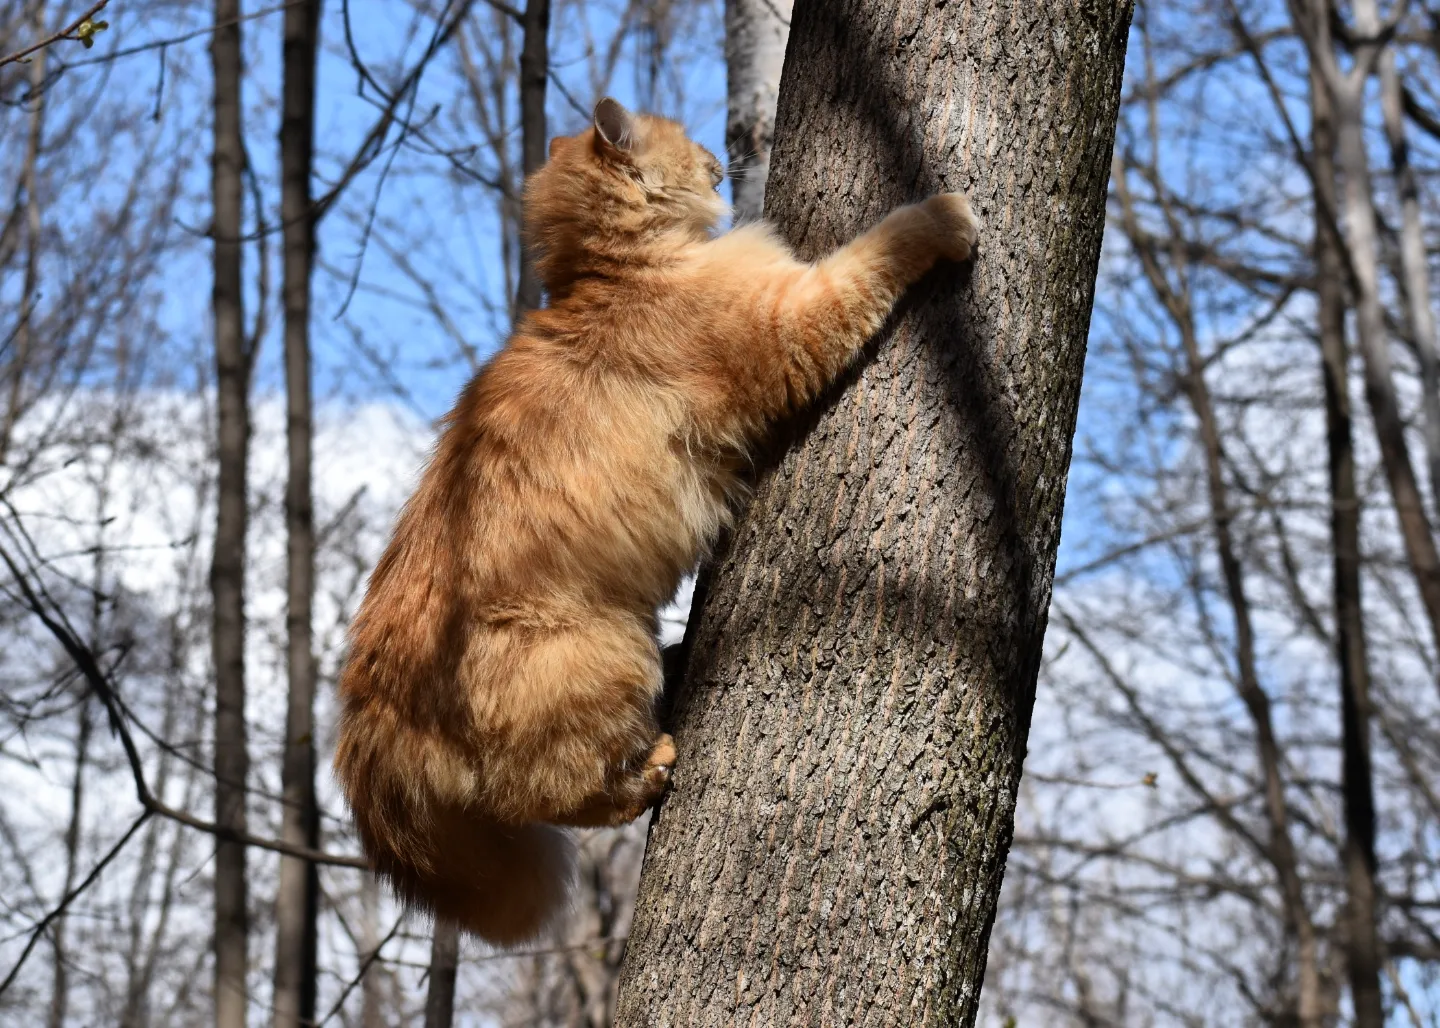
{"x": 389, "y": 348}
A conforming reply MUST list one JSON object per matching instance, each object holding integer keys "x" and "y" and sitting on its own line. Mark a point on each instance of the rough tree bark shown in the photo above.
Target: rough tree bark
{"x": 298, "y": 897}
{"x": 863, "y": 660}
{"x": 755, "y": 35}
{"x": 227, "y": 570}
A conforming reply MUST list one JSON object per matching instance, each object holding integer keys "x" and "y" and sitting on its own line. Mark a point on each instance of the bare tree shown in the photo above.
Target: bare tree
{"x": 756, "y": 32}
{"x": 444, "y": 964}
{"x": 298, "y": 898}
{"x": 1143, "y": 887}
{"x": 1278, "y": 846}
{"x": 60, "y": 994}
{"x": 1348, "y": 92}
{"x": 24, "y": 328}
{"x": 1357, "y": 782}
{"x": 233, "y": 360}
{"x": 111, "y": 256}
{"x": 1414, "y": 269}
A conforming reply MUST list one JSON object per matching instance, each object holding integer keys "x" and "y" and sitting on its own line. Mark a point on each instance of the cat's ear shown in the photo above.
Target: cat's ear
{"x": 614, "y": 127}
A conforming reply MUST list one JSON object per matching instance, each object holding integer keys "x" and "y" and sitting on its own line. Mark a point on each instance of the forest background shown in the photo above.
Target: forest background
{"x": 1186, "y": 848}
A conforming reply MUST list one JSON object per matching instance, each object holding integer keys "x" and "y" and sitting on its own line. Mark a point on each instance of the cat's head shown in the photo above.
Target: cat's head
{"x": 624, "y": 181}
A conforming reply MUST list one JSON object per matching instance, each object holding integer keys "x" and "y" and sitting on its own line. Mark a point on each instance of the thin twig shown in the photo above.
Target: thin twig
{"x": 567, "y": 95}
{"x": 70, "y": 897}
{"x": 86, "y": 663}
{"x": 185, "y": 37}
{"x": 62, "y": 65}
{"x": 365, "y": 965}
{"x": 407, "y": 92}
{"x": 66, "y": 33}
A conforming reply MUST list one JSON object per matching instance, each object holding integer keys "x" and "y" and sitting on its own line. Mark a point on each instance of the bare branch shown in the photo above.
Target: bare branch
{"x": 71, "y": 31}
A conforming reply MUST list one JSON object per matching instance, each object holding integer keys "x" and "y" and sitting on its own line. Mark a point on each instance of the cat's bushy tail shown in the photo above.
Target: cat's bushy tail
{"x": 506, "y": 883}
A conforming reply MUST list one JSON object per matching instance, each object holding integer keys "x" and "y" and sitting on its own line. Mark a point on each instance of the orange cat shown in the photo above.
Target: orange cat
{"x": 503, "y": 669}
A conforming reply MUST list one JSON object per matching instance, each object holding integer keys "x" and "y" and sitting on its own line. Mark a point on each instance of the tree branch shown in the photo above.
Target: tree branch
{"x": 89, "y": 668}
{"x": 69, "y": 32}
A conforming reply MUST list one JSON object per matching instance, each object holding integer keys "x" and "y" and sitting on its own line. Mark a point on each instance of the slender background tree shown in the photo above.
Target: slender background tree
{"x": 756, "y": 32}
{"x": 298, "y": 897}
{"x": 234, "y": 356}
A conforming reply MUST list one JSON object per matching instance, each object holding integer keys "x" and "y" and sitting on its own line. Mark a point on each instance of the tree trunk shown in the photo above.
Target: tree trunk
{"x": 227, "y": 571}
{"x": 444, "y": 962}
{"x": 1414, "y": 266}
{"x": 297, "y": 900}
{"x": 1379, "y": 377}
{"x": 1362, "y": 949}
{"x": 534, "y": 73}
{"x": 29, "y": 290}
{"x": 863, "y": 660}
{"x": 1362, "y": 240}
{"x": 372, "y": 998}
{"x": 60, "y": 986}
{"x": 755, "y": 35}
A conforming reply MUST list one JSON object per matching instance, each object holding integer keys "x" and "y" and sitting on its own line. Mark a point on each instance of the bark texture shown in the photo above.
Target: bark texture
{"x": 227, "y": 569}
{"x": 863, "y": 656}
{"x": 755, "y": 35}
{"x": 298, "y": 898}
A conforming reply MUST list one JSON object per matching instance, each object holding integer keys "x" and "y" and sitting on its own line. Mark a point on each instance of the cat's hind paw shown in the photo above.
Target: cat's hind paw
{"x": 662, "y": 755}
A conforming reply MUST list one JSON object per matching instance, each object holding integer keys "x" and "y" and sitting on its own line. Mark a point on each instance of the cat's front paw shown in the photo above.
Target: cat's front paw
{"x": 958, "y": 231}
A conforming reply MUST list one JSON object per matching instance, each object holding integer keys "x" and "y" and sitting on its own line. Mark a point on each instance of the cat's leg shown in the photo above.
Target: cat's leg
{"x": 827, "y": 311}
{"x": 630, "y": 793}
{"x": 573, "y": 727}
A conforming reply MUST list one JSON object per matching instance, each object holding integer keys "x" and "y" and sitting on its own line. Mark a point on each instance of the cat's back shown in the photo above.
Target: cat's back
{"x": 567, "y": 452}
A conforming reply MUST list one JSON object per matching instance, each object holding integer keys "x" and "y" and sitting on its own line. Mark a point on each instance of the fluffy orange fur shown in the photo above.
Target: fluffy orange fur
{"x": 504, "y": 669}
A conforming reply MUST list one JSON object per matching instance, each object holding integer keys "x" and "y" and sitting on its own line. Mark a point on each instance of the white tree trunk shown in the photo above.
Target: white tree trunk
{"x": 755, "y": 35}
{"x": 1414, "y": 267}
